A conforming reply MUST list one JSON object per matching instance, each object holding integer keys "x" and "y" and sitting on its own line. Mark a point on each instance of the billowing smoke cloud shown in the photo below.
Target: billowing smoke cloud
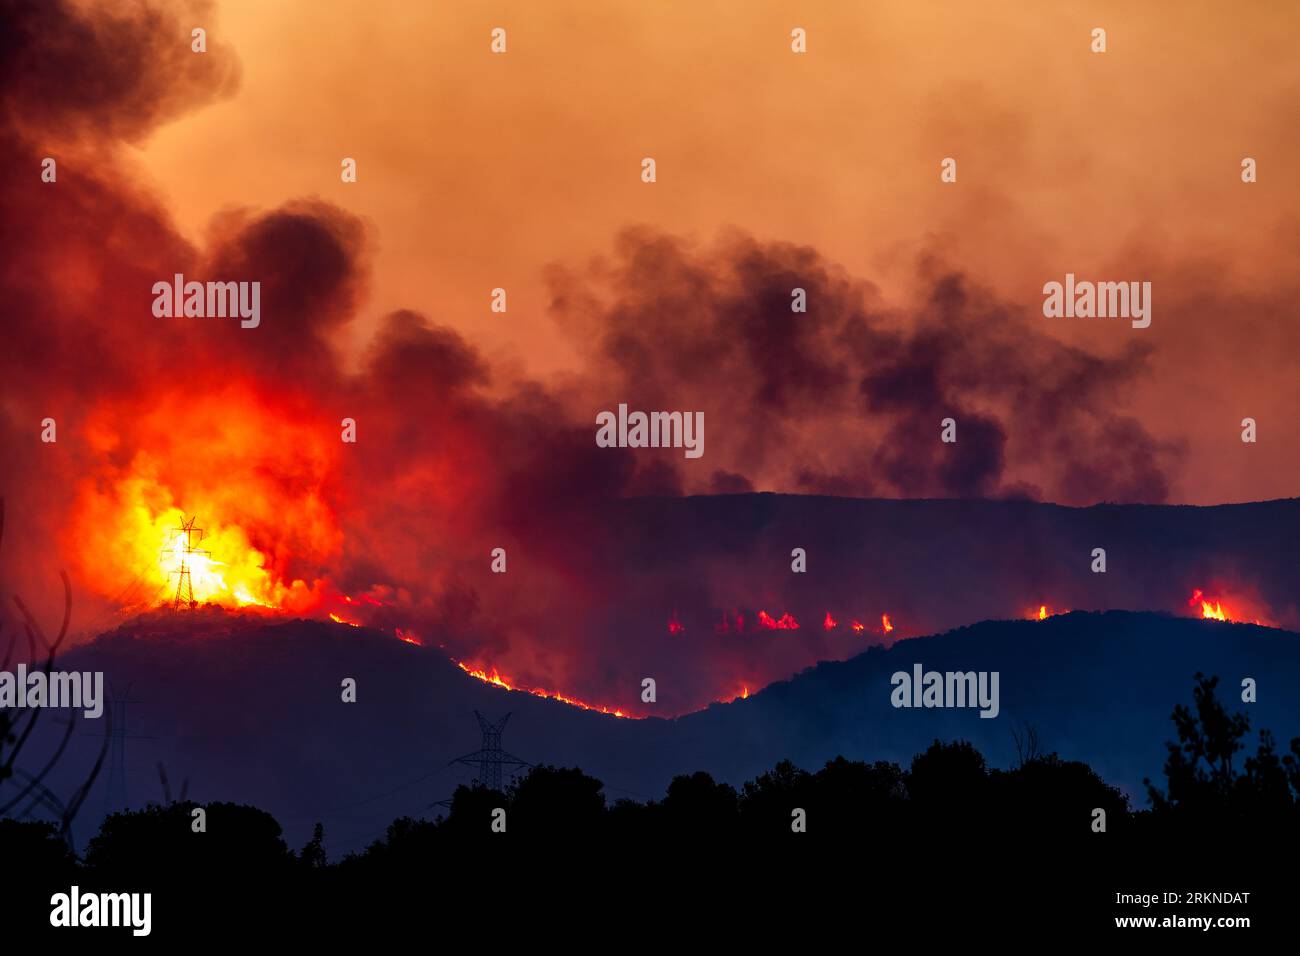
{"x": 242, "y": 427}
{"x": 848, "y": 397}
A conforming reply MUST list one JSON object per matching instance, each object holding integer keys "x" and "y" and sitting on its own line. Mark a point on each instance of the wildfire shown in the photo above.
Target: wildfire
{"x": 1044, "y": 612}
{"x": 196, "y": 573}
{"x": 675, "y": 626}
{"x": 340, "y": 620}
{"x": 785, "y": 622}
{"x": 495, "y": 677}
{"x": 1213, "y": 609}
{"x": 409, "y": 637}
{"x": 241, "y": 470}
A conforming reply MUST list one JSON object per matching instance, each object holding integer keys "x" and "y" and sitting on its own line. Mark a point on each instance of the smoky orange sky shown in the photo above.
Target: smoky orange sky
{"x": 522, "y": 170}
{"x": 478, "y": 170}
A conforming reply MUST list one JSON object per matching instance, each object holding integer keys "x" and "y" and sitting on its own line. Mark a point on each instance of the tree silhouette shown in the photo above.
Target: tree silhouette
{"x": 696, "y": 804}
{"x": 1204, "y": 787}
{"x": 312, "y": 855}
{"x": 560, "y": 802}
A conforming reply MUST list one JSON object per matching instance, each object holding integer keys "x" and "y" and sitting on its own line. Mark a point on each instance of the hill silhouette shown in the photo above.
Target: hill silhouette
{"x": 253, "y": 715}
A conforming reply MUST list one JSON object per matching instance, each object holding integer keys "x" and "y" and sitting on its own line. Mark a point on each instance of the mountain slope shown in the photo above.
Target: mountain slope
{"x": 254, "y": 715}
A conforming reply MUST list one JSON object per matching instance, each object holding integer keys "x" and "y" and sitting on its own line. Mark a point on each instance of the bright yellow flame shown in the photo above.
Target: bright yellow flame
{"x": 223, "y": 568}
{"x": 1213, "y": 612}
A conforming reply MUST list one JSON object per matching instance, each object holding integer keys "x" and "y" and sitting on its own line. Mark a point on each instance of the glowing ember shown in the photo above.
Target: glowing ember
{"x": 830, "y": 623}
{"x": 675, "y": 626}
{"x": 858, "y": 627}
{"x": 785, "y": 623}
{"x": 725, "y": 626}
{"x": 495, "y": 677}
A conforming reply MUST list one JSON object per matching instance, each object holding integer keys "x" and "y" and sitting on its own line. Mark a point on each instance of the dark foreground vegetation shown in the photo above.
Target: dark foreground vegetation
{"x": 946, "y": 815}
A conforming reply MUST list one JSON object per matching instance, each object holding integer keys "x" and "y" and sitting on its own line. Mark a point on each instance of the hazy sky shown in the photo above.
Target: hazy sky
{"x": 775, "y": 169}
{"x": 477, "y": 170}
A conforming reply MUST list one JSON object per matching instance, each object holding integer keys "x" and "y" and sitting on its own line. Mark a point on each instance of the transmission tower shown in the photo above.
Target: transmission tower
{"x": 115, "y": 792}
{"x": 184, "y": 597}
{"x": 490, "y": 758}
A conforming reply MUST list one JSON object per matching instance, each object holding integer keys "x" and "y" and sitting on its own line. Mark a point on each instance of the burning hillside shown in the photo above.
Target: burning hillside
{"x": 380, "y": 470}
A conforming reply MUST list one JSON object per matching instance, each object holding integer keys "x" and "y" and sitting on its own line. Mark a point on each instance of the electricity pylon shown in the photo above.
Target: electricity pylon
{"x": 490, "y": 757}
{"x": 115, "y": 797}
{"x": 184, "y": 586}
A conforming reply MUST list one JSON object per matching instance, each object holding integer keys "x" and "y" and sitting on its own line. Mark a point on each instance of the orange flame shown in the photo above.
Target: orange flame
{"x": 495, "y": 677}
{"x": 1213, "y": 609}
{"x": 885, "y": 624}
{"x": 786, "y": 622}
{"x": 254, "y": 524}
{"x": 1044, "y": 612}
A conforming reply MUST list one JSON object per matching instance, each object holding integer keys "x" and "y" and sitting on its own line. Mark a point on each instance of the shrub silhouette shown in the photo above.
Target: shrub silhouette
{"x": 45, "y": 855}
{"x": 140, "y": 845}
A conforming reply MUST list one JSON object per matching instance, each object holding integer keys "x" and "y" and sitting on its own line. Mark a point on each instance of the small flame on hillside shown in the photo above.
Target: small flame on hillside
{"x": 1044, "y": 612}
{"x": 495, "y": 677}
{"x": 1213, "y": 609}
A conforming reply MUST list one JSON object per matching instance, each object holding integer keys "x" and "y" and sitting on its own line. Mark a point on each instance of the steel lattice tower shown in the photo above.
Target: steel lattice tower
{"x": 184, "y": 586}
{"x": 115, "y": 792}
{"x": 490, "y": 757}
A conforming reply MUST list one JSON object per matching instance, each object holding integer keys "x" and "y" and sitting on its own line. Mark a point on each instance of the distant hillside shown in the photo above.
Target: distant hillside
{"x": 1097, "y": 687}
{"x": 255, "y": 715}
{"x": 932, "y": 565}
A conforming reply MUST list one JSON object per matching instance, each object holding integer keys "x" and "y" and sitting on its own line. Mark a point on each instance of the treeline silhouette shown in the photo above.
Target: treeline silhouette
{"x": 947, "y": 796}
{"x": 948, "y": 788}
